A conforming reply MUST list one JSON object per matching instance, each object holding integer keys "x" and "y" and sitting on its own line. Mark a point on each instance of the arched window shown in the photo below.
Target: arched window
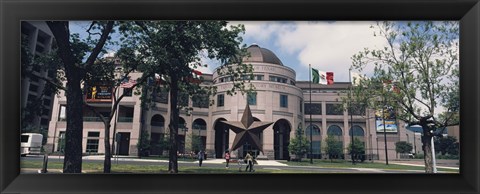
{"x": 316, "y": 141}
{"x": 334, "y": 130}
{"x": 357, "y": 131}
{"x": 157, "y": 120}
{"x": 199, "y": 124}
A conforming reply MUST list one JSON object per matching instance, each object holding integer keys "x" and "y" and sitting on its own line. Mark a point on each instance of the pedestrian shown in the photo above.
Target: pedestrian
{"x": 201, "y": 154}
{"x": 227, "y": 158}
{"x": 249, "y": 160}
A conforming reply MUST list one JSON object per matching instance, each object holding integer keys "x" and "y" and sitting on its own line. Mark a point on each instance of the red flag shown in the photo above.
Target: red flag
{"x": 195, "y": 77}
{"x": 128, "y": 84}
{"x": 329, "y": 78}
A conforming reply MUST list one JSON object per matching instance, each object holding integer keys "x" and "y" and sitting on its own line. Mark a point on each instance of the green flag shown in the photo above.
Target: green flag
{"x": 315, "y": 75}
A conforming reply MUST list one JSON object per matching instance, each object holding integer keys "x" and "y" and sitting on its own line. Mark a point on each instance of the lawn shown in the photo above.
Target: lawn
{"x": 54, "y": 166}
{"x": 365, "y": 164}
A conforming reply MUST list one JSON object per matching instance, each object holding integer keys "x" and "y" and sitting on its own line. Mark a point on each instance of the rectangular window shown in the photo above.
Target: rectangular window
{"x": 220, "y": 100}
{"x": 258, "y": 77}
{"x": 283, "y": 101}
{"x": 92, "y": 142}
{"x": 61, "y": 142}
{"x": 200, "y": 101}
{"x": 301, "y": 106}
{"x": 162, "y": 96}
{"x": 127, "y": 91}
{"x": 314, "y": 108}
{"x": 183, "y": 99}
{"x": 33, "y": 88}
{"x": 334, "y": 109}
{"x": 252, "y": 98}
{"x": 63, "y": 113}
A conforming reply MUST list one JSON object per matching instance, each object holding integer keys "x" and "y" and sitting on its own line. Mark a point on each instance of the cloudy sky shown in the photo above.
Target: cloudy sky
{"x": 327, "y": 46}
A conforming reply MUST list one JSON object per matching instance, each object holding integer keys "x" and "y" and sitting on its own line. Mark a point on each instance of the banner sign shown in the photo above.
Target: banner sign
{"x": 390, "y": 123}
{"x": 99, "y": 93}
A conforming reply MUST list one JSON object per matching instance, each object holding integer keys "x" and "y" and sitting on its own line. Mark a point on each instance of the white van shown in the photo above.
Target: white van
{"x": 30, "y": 143}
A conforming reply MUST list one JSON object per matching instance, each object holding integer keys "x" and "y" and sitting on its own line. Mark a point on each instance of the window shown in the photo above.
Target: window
{"x": 314, "y": 108}
{"x": 162, "y": 96}
{"x": 278, "y": 79}
{"x": 259, "y": 77}
{"x": 220, "y": 100}
{"x": 63, "y": 113}
{"x": 334, "y": 109}
{"x": 283, "y": 101}
{"x": 301, "y": 106}
{"x": 61, "y": 142}
{"x": 127, "y": 91}
{"x": 357, "y": 110}
{"x": 252, "y": 98}
{"x": 92, "y": 142}
{"x": 315, "y": 131}
{"x": 200, "y": 101}
{"x": 183, "y": 99}
{"x": 33, "y": 88}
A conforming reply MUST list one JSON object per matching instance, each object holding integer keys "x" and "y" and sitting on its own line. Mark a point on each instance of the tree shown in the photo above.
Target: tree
{"x": 173, "y": 49}
{"x": 446, "y": 145}
{"x": 333, "y": 147}
{"x": 143, "y": 144}
{"x": 356, "y": 149}
{"x": 299, "y": 145}
{"x": 403, "y": 147}
{"x": 72, "y": 53}
{"x": 414, "y": 74}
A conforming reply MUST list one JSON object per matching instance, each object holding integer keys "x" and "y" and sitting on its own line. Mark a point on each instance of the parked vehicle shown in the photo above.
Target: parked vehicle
{"x": 30, "y": 143}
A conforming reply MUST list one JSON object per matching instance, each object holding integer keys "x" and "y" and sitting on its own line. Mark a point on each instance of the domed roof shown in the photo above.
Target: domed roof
{"x": 258, "y": 54}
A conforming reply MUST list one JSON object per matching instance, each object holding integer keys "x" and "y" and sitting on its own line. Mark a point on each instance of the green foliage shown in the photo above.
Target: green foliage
{"x": 143, "y": 144}
{"x": 403, "y": 147}
{"x": 357, "y": 149}
{"x": 196, "y": 143}
{"x": 415, "y": 73}
{"x": 333, "y": 147}
{"x": 299, "y": 145}
{"x": 447, "y": 145}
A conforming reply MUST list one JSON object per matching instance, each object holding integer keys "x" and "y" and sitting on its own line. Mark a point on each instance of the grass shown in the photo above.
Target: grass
{"x": 128, "y": 168}
{"x": 365, "y": 164}
{"x": 54, "y": 166}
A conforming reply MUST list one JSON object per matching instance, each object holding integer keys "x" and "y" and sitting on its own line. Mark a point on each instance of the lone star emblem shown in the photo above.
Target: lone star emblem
{"x": 247, "y": 130}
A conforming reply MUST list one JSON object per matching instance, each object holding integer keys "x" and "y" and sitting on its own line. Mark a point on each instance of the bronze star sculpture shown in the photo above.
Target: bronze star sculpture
{"x": 247, "y": 130}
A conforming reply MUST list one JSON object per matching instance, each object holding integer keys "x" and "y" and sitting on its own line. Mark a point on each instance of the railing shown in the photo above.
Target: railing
{"x": 125, "y": 119}
{"x": 93, "y": 119}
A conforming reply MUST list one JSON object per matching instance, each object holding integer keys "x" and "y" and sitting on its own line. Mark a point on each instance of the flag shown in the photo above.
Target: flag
{"x": 322, "y": 77}
{"x": 356, "y": 78}
{"x": 329, "y": 78}
{"x": 128, "y": 84}
{"x": 389, "y": 86}
{"x": 315, "y": 76}
{"x": 195, "y": 78}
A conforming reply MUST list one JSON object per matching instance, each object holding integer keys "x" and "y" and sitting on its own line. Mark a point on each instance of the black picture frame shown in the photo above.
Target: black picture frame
{"x": 12, "y": 12}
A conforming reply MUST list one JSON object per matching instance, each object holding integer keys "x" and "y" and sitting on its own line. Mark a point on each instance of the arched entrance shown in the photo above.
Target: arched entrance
{"x": 248, "y": 147}
{"x": 281, "y": 139}
{"x": 157, "y": 125}
{"x": 182, "y": 132}
{"x": 314, "y": 130}
{"x": 199, "y": 127}
{"x": 221, "y": 137}
{"x": 359, "y": 135}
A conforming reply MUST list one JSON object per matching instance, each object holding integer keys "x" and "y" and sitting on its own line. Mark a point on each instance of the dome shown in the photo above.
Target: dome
{"x": 263, "y": 55}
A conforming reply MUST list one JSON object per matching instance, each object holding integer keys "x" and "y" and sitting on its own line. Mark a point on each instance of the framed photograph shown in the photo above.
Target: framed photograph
{"x": 198, "y": 130}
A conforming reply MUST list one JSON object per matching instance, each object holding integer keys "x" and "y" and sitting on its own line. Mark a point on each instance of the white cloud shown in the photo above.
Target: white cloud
{"x": 329, "y": 45}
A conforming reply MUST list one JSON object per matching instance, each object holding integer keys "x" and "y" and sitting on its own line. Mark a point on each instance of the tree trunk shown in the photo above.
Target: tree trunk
{"x": 72, "y": 162}
{"x": 107, "y": 163}
{"x": 427, "y": 150}
{"x": 74, "y": 132}
{"x": 173, "y": 126}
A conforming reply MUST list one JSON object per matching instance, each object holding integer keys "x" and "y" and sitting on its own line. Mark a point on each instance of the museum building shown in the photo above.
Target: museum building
{"x": 278, "y": 98}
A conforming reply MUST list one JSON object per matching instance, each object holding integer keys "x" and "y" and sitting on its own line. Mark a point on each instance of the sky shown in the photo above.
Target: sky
{"x": 327, "y": 46}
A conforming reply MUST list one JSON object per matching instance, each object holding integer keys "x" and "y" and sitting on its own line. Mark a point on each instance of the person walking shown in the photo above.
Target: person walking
{"x": 249, "y": 160}
{"x": 227, "y": 157}
{"x": 201, "y": 155}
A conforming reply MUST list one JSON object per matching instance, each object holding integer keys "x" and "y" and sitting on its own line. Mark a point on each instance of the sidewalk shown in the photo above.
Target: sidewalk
{"x": 447, "y": 164}
{"x": 207, "y": 161}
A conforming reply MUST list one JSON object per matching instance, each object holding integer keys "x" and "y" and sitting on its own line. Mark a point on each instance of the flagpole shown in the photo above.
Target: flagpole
{"x": 310, "y": 83}
{"x": 351, "y": 115}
